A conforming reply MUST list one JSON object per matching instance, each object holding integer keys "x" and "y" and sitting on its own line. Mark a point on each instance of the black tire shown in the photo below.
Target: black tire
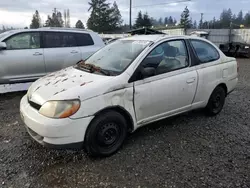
{"x": 216, "y": 101}
{"x": 106, "y": 134}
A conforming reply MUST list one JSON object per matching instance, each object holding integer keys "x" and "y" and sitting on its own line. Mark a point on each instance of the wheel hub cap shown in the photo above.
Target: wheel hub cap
{"x": 108, "y": 134}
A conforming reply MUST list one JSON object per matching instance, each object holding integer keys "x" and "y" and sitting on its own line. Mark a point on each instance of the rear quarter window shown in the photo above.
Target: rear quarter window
{"x": 205, "y": 51}
{"x": 84, "y": 39}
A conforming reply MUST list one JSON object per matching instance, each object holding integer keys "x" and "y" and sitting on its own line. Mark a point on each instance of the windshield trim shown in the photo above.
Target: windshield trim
{"x": 119, "y": 73}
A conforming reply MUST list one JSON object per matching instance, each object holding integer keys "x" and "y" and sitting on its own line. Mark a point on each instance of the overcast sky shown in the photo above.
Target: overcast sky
{"x": 18, "y": 13}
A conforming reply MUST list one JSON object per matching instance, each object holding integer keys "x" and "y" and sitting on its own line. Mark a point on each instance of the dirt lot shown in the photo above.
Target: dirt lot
{"x": 189, "y": 150}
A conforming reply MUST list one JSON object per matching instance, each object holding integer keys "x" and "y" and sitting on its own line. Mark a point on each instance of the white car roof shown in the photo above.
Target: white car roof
{"x": 157, "y": 37}
{"x": 55, "y": 29}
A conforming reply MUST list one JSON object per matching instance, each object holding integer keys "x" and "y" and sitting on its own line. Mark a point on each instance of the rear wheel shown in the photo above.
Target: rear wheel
{"x": 106, "y": 134}
{"x": 216, "y": 101}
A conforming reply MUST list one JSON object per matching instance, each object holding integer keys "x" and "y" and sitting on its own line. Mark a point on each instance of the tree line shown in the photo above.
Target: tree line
{"x": 227, "y": 20}
{"x": 106, "y": 18}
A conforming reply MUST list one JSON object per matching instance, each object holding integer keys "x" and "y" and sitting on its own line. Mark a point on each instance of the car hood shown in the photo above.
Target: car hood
{"x": 64, "y": 84}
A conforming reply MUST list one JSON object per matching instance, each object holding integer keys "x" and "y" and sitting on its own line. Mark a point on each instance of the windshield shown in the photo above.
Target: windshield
{"x": 117, "y": 56}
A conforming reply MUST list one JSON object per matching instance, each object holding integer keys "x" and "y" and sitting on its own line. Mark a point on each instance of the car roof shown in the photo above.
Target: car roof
{"x": 157, "y": 37}
{"x": 55, "y": 29}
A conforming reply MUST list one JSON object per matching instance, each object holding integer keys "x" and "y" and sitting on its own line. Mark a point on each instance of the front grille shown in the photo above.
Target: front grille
{"x": 34, "y": 105}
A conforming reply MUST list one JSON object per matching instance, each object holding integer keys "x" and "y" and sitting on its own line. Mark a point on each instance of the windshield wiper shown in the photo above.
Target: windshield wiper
{"x": 93, "y": 68}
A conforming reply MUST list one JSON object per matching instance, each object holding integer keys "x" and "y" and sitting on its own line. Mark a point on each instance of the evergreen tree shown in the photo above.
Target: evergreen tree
{"x": 174, "y": 22}
{"x": 205, "y": 25}
{"x": 36, "y": 21}
{"x": 247, "y": 19}
{"x": 234, "y": 19}
{"x": 116, "y": 18}
{"x": 146, "y": 20}
{"x": 160, "y": 21}
{"x": 170, "y": 20}
{"x": 154, "y": 22}
{"x": 191, "y": 23}
{"x": 185, "y": 21}
{"x": 104, "y": 18}
{"x": 79, "y": 24}
{"x": 55, "y": 20}
{"x": 139, "y": 22}
{"x": 226, "y": 18}
{"x": 240, "y": 18}
{"x": 195, "y": 25}
{"x": 166, "y": 20}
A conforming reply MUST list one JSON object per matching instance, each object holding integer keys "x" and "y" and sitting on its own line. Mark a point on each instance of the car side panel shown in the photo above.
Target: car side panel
{"x": 59, "y": 58}
{"x": 116, "y": 98}
{"x": 22, "y": 65}
{"x": 232, "y": 74}
{"x": 210, "y": 76}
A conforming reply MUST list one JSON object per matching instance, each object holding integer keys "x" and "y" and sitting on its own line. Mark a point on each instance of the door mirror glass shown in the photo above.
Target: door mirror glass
{"x": 148, "y": 72}
{"x": 3, "y": 46}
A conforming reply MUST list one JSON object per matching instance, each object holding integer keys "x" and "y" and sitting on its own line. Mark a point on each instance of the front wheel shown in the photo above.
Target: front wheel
{"x": 106, "y": 134}
{"x": 216, "y": 101}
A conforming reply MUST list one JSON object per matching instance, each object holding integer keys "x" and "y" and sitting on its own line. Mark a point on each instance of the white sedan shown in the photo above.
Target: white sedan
{"x": 127, "y": 84}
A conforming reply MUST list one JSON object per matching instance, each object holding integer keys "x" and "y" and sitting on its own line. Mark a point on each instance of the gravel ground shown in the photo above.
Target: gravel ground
{"x": 189, "y": 150}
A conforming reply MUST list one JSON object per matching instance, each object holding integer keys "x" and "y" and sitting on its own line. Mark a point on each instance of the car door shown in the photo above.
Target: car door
{"x": 171, "y": 89}
{"x": 210, "y": 69}
{"x": 22, "y": 60}
{"x": 60, "y": 50}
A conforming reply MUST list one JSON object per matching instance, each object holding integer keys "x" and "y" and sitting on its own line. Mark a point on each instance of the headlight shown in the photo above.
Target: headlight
{"x": 60, "y": 109}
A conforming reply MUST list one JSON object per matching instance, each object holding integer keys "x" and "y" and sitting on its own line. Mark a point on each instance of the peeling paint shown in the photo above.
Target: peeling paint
{"x": 61, "y": 75}
{"x": 56, "y": 82}
{"x": 37, "y": 88}
{"x": 60, "y": 91}
{"x": 84, "y": 83}
{"x": 64, "y": 79}
{"x": 63, "y": 90}
{"x": 47, "y": 84}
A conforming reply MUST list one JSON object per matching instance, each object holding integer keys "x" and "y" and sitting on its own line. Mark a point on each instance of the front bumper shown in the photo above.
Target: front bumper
{"x": 55, "y": 133}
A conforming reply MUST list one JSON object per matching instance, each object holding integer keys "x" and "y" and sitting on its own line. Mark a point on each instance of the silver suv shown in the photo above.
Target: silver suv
{"x": 29, "y": 54}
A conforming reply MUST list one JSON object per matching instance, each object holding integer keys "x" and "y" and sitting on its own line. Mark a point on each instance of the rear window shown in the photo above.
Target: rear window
{"x": 84, "y": 39}
{"x": 205, "y": 51}
{"x": 59, "y": 40}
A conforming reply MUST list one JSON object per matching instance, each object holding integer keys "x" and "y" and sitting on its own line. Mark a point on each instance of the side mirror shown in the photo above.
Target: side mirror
{"x": 148, "y": 71}
{"x": 3, "y": 46}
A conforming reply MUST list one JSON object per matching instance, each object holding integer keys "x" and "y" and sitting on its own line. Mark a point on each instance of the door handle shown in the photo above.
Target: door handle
{"x": 191, "y": 80}
{"x": 37, "y": 53}
{"x": 74, "y": 52}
